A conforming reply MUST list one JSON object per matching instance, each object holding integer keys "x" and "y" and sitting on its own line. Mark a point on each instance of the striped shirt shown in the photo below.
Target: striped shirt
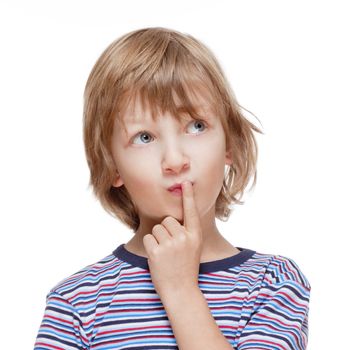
{"x": 259, "y": 301}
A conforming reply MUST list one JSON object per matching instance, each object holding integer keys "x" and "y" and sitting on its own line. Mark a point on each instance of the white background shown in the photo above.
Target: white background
{"x": 288, "y": 63}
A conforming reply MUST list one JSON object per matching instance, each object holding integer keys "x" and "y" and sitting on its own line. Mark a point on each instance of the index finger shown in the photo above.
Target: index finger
{"x": 191, "y": 217}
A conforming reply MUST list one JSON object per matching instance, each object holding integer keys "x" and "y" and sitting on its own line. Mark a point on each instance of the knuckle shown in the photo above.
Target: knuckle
{"x": 153, "y": 253}
{"x": 168, "y": 244}
{"x": 167, "y": 219}
{"x": 183, "y": 237}
{"x": 146, "y": 237}
{"x": 155, "y": 228}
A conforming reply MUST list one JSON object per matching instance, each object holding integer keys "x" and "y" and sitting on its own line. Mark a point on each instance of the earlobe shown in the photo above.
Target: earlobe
{"x": 228, "y": 158}
{"x": 228, "y": 161}
{"x": 118, "y": 181}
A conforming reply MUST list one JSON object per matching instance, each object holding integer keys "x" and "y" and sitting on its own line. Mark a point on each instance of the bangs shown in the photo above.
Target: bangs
{"x": 173, "y": 86}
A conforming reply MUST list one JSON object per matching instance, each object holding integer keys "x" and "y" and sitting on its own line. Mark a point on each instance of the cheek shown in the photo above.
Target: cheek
{"x": 210, "y": 155}
{"x": 215, "y": 172}
{"x": 133, "y": 165}
{"x": 138, "y": 177}
{"x": 210, "y": 170}
{"x": 136, "y": 184}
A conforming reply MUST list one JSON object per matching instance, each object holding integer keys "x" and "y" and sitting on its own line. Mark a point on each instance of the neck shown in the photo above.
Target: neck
{"x": 215, "y": 246}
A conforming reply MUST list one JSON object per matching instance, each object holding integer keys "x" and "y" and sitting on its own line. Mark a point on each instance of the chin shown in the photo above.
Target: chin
{"x": 179, "y": 218}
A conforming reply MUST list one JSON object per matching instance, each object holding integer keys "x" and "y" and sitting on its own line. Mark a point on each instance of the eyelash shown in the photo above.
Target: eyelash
{"x": 146, "y": 132}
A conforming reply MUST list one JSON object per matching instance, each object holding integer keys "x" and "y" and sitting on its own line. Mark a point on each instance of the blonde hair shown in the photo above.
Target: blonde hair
{"x": 155, "y": 63}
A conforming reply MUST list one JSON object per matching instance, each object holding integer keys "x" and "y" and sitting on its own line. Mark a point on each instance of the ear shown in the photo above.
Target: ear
{"x": 228, "y": 158}
{"x": 118, "y": 182}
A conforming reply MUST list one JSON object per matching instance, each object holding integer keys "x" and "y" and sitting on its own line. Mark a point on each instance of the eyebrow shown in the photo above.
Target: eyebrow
{"x": 199, "y": 109}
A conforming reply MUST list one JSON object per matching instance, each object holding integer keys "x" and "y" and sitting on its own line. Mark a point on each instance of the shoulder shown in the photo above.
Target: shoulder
{"x": 87, "y": 283}
{"x": 284, "y": 269}
{"x": 279, "y": 269}
{"x": 277, "y": 306}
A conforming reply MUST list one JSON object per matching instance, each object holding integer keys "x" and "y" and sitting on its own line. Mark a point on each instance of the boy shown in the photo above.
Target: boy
{"x": 177, "y": 283}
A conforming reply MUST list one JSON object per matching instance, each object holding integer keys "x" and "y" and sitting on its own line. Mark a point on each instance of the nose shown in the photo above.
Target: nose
{"x": 174, "y": 159}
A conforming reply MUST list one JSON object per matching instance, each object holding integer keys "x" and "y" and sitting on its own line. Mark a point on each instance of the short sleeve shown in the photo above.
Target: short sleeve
{"x": 61, "y": 326}
{"x": 280, "y": 317}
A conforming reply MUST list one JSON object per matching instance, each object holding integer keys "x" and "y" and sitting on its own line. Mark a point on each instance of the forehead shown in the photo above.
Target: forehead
{"x": 137, "y": 110}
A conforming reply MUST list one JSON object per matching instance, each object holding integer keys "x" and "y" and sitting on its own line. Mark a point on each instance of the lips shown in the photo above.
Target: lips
{"x": 176, "y": 186}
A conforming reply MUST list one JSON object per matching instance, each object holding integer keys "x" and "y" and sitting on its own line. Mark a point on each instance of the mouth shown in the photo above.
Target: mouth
{"x": 177, "y": 188}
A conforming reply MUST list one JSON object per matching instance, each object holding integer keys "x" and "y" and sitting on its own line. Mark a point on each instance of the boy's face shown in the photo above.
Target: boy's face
{"x": 155, "y": 155}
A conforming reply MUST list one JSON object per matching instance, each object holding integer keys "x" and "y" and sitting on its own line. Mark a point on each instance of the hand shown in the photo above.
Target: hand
{"x": 174, "y": 250}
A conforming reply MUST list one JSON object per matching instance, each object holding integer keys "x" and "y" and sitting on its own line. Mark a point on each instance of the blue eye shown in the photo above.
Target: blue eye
{"x": 198, "y": 122}
{"x": 146, "y": 136}
{"x": 141, "y": 134}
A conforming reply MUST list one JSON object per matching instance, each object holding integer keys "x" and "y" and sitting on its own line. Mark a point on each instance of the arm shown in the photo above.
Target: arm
{"x": 61, "y": 326}
{"x": 280, "y": 313}
{"x": 192, "y": 322}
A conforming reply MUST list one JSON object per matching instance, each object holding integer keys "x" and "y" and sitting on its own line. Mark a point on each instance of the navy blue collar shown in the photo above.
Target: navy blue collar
{"x": 211, "y": 266}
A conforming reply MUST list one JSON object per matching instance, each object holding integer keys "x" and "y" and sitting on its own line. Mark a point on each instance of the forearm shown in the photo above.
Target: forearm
{"x": 192, "y": 322}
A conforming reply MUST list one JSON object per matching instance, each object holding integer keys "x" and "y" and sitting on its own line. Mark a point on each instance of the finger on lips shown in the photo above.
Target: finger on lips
{"x": 191, "y": 219}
